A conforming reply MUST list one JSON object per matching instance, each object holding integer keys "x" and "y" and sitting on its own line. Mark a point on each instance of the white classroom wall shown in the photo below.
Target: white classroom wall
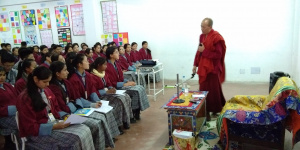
{"x": 261, "y": 35}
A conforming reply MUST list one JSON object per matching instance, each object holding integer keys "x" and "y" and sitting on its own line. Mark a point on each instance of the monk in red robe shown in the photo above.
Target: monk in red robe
{"x": 211, "y": 67}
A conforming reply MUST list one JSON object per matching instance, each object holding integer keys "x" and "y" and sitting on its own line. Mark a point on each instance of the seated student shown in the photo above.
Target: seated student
{"x": 67, "y": 102}
{"x": 46, "y": 59}
{"x": 23, "y": 44}
{"x": 89, "y": 54}
{"x": 55, "y": 49}
{"x": 15, "y": 52}
{"x": 24, "y": 53}
{"x": 75, "y": 47}
{"x": 103, "y": 51}
{"x": 68, "y": 49}
{"x": 56, "y": 57}
{"x": 106, "y": 91}
{"x": 139, "y": 97}
{"x": 82, "y": 81}
{"x": 83, "y": 48}
{"x": 145, "y": 53}
{"x": 36, "y": 107}
{"x": 44, "y": 49}
{"x": 8, "y": 47}
{"x": 36, "y": 54}
{"x": 25, "y": 68}
{"x": 8, "y": 110}
{"x": 3, "y": 46}
{"x": 59, "y": 50}
{"x": 124, "y": 63}
{"x": 127, "y": 54}
{"x": 135, "y": 56}
{"x": 8, "y": 61}
{"x": 96, "y": 51}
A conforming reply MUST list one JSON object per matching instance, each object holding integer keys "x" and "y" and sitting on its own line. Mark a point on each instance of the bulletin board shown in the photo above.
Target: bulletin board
{"x": 62, "y": 16}
{"x": 43, "y": 16}
{"x": 77, "y": 19}
{"x": 30, "y": 35}
{"x": 120, "y": 38}
{"x": 6, "y": 37}
{"x": 17, "y": 35}
{"x": 4, "y": 22}
{"x": 106, "y": 38}
{"x": 64, "y": 36}
{"x": 46, "y": 37}
{"x": 109, "y": 17}
{"x": 28, "y": 17}
{"x": 14, "y": 19}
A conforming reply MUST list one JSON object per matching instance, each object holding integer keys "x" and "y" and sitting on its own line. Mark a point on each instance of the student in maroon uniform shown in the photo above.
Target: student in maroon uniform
{"x": 125, "y": 65}
{"x": 25, "y": 68}
{"x": 75, "y": 47}
{"x": 8, "y": 110}
{"x": 96, "y": 50}
{"x": 82, "y": 81}
{"x": 89, "y": 54}
{"x": 15, "y": 52}
{"x": 46, "y": 59}
{"x": 127, "y": 54}
{"x": 115, "y": 74}
{"x": 68, "y": 49}
{"x": 65, "y": 95}
{"x": 145, "y": 53}
{"x": 121, "y": 103}
{"x": 57, "y": 57}
{"x": 135, "y": 56}
{"x": 103, "y": 51}
{"x": 36, "y": 107}
{"x": 36, "y": 54}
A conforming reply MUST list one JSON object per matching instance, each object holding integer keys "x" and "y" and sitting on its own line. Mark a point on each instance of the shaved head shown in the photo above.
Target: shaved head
{"x": 209, "y": 21}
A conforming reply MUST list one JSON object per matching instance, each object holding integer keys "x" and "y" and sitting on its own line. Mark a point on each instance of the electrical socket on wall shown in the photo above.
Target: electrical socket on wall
{"x": 255, "y": 70}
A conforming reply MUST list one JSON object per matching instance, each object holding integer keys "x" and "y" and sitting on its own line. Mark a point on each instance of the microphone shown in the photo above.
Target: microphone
{"x": 193, "y": 75}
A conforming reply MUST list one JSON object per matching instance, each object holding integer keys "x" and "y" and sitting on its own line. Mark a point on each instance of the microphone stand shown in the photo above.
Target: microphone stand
{"x": 178, "y": 100}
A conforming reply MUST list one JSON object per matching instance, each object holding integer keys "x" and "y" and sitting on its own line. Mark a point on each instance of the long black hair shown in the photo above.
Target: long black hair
{"x": 110, "y": 51}
{"x": 148, "y": 50}
{"x": 55, "y": 67}
{"x": 44, "y": 56}
{"x": 42, "y": 73}
{"x": 22, "y": 67}
{"x": 98, "y": 62}
{"x": 72, "y": 64}
{"x": 70, "y": 57}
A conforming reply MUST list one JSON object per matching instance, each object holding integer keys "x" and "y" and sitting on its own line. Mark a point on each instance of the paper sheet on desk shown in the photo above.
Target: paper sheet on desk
{"x": 120, "y": 92}
{"x": 103, "y": 109}
{"x": 104, "y": 103}
{"x": 182, "y": 134}
{"x": 75, "y": 119}
{"x": 198, "y": 95}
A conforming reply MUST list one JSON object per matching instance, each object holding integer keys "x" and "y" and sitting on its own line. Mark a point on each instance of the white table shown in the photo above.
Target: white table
{"x": 152, "y": 70}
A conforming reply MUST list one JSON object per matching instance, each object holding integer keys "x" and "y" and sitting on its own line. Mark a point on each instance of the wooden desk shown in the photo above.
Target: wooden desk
{"x": 186, "y": 118}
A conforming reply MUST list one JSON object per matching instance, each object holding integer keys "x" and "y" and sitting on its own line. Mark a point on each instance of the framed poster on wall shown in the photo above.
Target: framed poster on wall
{"x": 109, "y": 16}
{"x": 62, "y": 16}
{"x": 64, "y": 36}
{"x": 77, "y": 19}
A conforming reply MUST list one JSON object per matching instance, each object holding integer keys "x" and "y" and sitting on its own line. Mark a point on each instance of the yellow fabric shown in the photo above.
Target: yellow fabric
{"x": 261, "y": 102}
{"x": 185, "y": 98}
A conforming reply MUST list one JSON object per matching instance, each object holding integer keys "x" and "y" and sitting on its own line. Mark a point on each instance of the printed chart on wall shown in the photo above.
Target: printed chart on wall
{"x": 105, "y": 38}
{"x": 5, "y": 37}
{"x": 64, "y": 36}
{"x": 43, "y": 16}
{"x": 4, "y": 22}
{"x": 46, "y": 37}
{"x": 109, "y": 17}
{"x": 121, "y": 38}
{"x": 28, "y": 17}
{"x": 17, "y": 35}
{"x": 62, "y": 16}
{"x": 14, "y": 19}
{"x": 77, "y": 19}
{"x": 30, "y": 35}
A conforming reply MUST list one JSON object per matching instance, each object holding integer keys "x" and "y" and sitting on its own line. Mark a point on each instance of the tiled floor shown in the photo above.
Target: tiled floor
{"x": 151, "y": 132}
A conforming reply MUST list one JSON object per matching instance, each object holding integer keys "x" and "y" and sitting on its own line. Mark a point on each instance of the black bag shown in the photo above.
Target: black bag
{"x": 148, "y": 63}
{"x": 274, "y": 77}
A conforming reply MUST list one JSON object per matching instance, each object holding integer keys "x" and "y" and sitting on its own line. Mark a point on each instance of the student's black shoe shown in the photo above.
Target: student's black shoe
{"x": 137, "y": 114}
{"x": 132, "y": 120}
{"x": 121, "y": 131}
{"x": 126, "y": 126}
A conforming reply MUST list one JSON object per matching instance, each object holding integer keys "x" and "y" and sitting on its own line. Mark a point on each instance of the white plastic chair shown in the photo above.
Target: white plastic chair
{"x": 23, "y": 139}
